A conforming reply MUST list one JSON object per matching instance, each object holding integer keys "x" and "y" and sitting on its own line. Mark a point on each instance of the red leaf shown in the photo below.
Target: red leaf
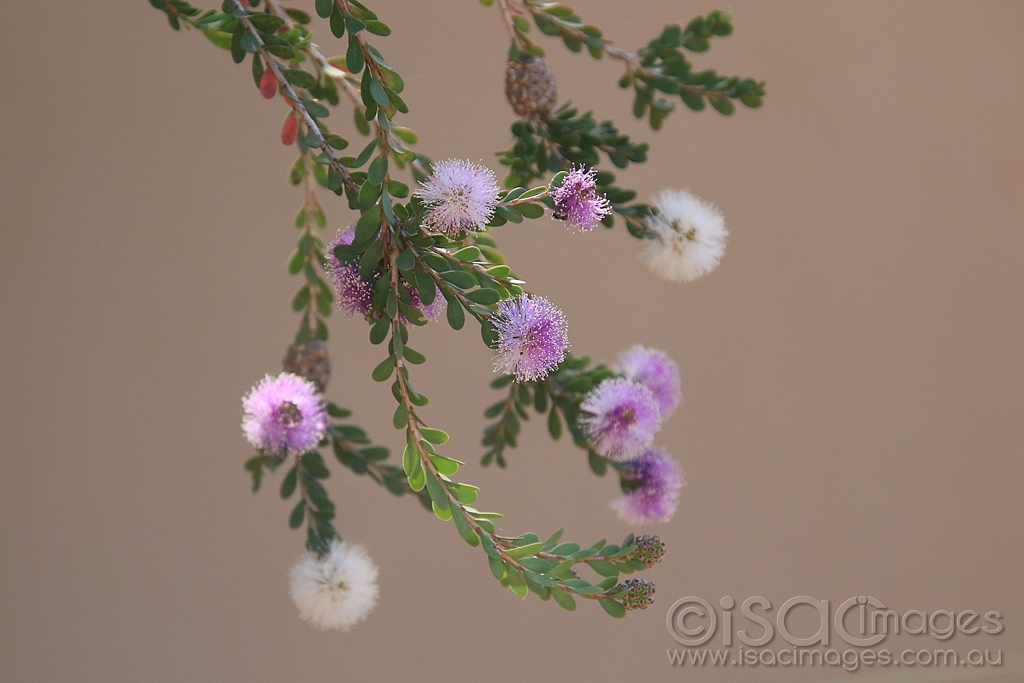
{"x": 268, "y": 84}
{"x": 290, "y": 130}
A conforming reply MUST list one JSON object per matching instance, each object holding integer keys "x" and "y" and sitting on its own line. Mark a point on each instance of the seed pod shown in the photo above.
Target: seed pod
{"x": 309, "y": 360}
{"x": 530, "y": 87}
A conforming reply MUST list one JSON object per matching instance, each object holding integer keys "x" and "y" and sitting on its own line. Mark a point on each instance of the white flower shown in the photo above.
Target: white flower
{"x": 336, "y": 590}
{"x": 460, "y": 195}
{"x": 690, "y": 238}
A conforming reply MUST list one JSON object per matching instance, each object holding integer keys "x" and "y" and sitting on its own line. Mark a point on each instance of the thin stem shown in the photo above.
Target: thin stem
{"x": 506, "y": 15}
{"x": 293, "y": 100}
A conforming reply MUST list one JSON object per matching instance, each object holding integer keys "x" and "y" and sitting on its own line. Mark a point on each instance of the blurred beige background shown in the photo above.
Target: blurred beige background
{"x": 852, "y": 372}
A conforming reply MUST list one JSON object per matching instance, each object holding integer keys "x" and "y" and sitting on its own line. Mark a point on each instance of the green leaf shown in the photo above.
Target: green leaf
{"x": 289, "y": 482}
{"x": 456, "y": 316}
{"x": 337, "y": 23}
{"x": 459, "y": 278}
{"x": 299, "y": 77}
{"x": 314, "y": 464}
{"x": 379, "y": 331}
{"x": 379, "y": 94}
{"x": 524, "y": 551}
{"x": 692, "y": 100}
{"x": 401, "y": 416}
{"x": 604, "y": 568}
{"x": 554, "y": 424}
{"x": 531, "y": 210}
{"x": 462, "y": 526}
{"x": 298, "y": 15}
{"x": 410, "y": 457}
{"x": 324, "y": 8}
{"x": 383, "y": 370}
{"x": 564, "y": 599}
{"x": 486, "y": 297}
{"x": 378, "y": 28}
{"x": 437, "y": 493}
{"x": 298, "y": 515}
{"x": 267, "y": 23}
{"x": 249, "y": 42}
{"x": 315, "y": 108}
{"x": 496, "y": 565}
{"x": 223, "y": 41}
{"x": 443, "y": 514}
{"x": 368, "y": 225}
{"x": 446, "y": 466}
{"x": 378, "y": 169}
{"x": 566, "y": 549}
{"x": 434, "y": 436}
{"x": 723, "y": 105}
{"x": 597, "y": 463}
{"x": 354, "y": 58}
{"x": 516, "y": 582}
{"x": 613, "y": 608}
{"x": 301, "y": 298}
{"x": 295, "y": 262}
{"x": 237, "y": 53}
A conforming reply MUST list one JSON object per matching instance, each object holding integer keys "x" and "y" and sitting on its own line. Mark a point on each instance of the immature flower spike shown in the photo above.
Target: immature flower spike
{"x": 533, "y": 337}
{"x": 577, "y": 203}
{"x": 336, "y": 590}
{"x": 649, "y": 549}
{"x": 689, "y": 236}
{"x": 656, "y": 479}
{"x": 459, "y": 195}
{"x": 656, "y": 371}
{"x": 283, "y": 415}
{"x": 310, "y": 361}
{"x": 621, "y": 418}
{"x": 639, "y": 594}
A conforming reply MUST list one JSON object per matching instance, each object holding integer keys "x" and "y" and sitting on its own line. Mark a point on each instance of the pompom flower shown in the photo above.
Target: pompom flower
{"x": 336, "y": 590}
{"x": 656, "y": 479}
{"x": 689, "y": 238}
{"x": 459, "y": 195}
{"x": 432, "y": 311}
{"x": 621, "y": 418}
{"x": 577, "y": 203}
{"x": 533, "y": 337}
{"x": 283, "y": 414}
{"x": 656, "y": 371}
{"x": 353, "y": 294}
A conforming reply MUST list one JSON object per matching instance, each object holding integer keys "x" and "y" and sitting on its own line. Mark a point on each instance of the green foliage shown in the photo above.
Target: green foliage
{"x": 566, "y": 138}
{"x": 402, "y": 260}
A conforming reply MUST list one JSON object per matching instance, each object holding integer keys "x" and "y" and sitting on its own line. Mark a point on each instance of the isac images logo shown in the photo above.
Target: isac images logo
{"x": 815, "y": 634}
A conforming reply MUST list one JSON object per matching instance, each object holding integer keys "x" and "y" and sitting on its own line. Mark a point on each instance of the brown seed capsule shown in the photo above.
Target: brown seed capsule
{"x": 530, "y": 87}
{"x": 310, "y": 360}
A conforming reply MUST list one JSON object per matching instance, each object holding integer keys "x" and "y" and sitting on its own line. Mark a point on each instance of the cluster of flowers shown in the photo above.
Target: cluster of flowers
{"x": 285, "y": 415}
{"x": 687, "y": 234}
{"x": 354, "y": 294}
{"x": 621, "y": 417}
